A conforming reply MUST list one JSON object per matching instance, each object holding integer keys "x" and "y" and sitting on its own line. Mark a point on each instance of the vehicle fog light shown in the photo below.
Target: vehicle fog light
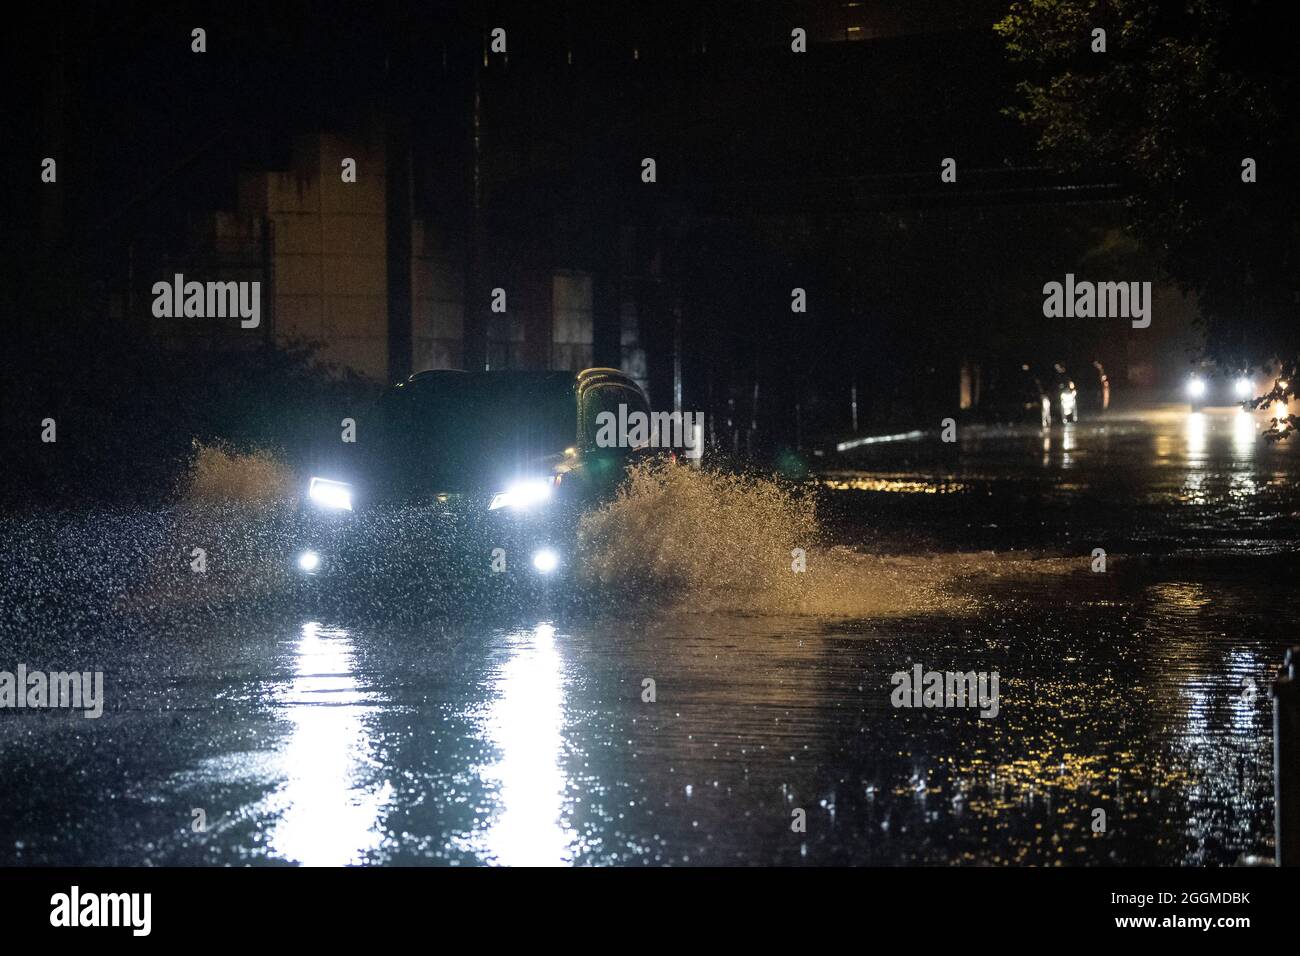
{"x": 546, "y": 560}
{"x": 308, "y": 561}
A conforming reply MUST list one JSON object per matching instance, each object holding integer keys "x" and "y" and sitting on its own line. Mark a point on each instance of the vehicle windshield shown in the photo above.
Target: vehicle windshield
{"x": 460, "y": 431}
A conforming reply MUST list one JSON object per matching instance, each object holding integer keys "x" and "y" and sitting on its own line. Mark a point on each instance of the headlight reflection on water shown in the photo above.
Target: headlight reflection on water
{"x": 526, "y": 726}
{"x": 329, "y": 806}
{"x": 1197, "y": 430}
{"x": 1243, "y": 434}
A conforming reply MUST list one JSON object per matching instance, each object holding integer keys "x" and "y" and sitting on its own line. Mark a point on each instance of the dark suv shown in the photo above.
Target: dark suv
{"x": 1013, "y": 393}
{"x": 456, "y": 477}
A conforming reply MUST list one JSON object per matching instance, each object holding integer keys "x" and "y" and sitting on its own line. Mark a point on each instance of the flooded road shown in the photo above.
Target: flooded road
{"x": 1132, "y": 724}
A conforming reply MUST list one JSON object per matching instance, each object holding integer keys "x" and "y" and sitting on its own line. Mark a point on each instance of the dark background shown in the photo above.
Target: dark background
{"x": 775, "y": 170}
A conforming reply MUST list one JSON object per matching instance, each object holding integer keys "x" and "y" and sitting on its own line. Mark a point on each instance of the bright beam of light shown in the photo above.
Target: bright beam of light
{"x": 1243, "y": 433}
{"x": 1196, "y": 432}
{"x": 526, "y": 725}
{"x": 330, "y": 805}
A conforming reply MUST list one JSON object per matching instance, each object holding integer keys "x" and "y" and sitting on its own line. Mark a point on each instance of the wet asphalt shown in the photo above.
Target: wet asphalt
{"x": 1133, "y": 720}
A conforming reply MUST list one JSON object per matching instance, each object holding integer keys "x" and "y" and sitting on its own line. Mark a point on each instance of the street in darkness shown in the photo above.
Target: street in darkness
{"x": 478, "y": 436}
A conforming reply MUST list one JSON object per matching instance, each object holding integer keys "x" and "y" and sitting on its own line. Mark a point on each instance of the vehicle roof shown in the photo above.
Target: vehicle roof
{"x": 581, "y": 380}
{"x": 460, "y": 375}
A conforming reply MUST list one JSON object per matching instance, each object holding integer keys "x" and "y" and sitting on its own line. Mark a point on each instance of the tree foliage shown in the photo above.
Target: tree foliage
{"x": 1183, "y": 94}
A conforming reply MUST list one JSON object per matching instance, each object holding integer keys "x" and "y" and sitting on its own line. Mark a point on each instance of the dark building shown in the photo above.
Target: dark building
{"x": 501, "y": 214}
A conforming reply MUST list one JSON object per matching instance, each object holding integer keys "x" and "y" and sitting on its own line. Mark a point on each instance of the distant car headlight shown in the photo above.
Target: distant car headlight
{"x": 1067, "y": 400}
{"x": 1196, "y": 388}
{"x": 330, "y": 494}
{"x": 1242, "y": 387}
{"x": 523, "y": 494}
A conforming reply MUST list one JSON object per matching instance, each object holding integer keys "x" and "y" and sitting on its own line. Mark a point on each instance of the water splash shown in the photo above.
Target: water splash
{"x": 706, "y": 541}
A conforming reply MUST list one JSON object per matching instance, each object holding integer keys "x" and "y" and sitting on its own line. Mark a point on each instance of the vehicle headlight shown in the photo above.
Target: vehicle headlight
{"x": 1243, "y": 387}
{"x": 1195, "y": 388}
{"x": 546, "y": 560}
{"x": 330, "y": 494}
{"x": 523, "y": 494}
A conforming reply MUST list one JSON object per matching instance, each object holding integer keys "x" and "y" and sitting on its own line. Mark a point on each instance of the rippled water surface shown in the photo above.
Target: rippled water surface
{"x": 528, "y": 737}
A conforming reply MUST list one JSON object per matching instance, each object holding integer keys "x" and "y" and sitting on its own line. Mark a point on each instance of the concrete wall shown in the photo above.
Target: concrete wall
{"x": 329, "y": 250}
{"x": 437, "y": 303}
{"x": 571, "y": 320}
{"x": 328, "y": 259}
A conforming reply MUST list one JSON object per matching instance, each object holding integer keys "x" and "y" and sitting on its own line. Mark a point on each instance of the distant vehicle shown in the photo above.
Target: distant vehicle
{"x": 1013, "y": 393}
{"x": 1207, "y": 385}
{"x": 1063, "y": 395}
{"x": 1094, "y": 389}
{"x": 469, "y": 472}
